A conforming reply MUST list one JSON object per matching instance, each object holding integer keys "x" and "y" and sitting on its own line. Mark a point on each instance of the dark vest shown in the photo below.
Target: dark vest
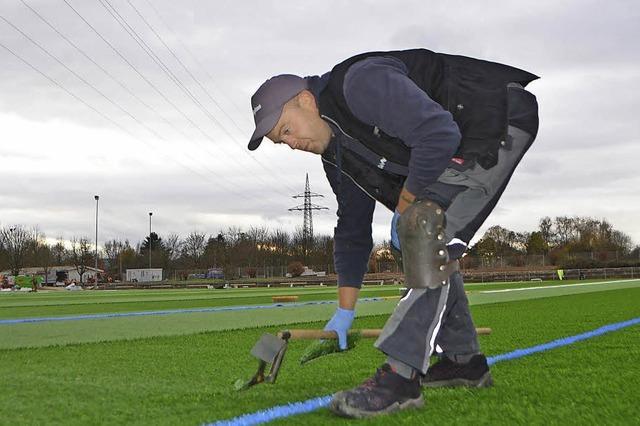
{"x": 473, "y": 91}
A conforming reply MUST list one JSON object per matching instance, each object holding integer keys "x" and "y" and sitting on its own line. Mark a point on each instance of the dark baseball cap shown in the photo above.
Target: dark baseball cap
{"x": 268, "y": 101}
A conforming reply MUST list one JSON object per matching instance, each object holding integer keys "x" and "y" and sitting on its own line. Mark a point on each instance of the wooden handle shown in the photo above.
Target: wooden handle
{"x": 309, "y": 334}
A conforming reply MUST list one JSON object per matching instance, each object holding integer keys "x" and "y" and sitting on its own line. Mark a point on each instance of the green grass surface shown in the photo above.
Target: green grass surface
{"x": 107, "y": 329}
{"x": 188, "y": 379}
{"x": 96, "y": 330}
{"x": 180, "y": 369}
{"x": 28, "y": 305}
{"x": 62, "y": 303}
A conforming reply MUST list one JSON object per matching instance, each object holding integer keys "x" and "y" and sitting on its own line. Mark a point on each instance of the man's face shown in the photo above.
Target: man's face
{"x": 301, "y": 127}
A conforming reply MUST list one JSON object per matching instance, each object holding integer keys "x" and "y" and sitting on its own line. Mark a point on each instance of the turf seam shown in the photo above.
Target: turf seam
{"x": 178, "y": 311}
{"x": 232, "y": 308}
{"x": 303, "y": 407}
{"x": 183, "y": 299}
{"x": 556, "y": 286}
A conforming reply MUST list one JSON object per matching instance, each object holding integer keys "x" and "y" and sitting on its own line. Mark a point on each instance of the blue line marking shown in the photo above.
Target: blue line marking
{"x": 277, "y": 412}
{"x": 518, "y": 353}
{"x": 177, "y": 311}
{"x": 310, "y": 405}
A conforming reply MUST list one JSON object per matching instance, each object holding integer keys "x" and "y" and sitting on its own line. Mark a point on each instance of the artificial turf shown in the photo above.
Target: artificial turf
{"x": 45, "y": 304}
{"x": 189, "y": 379}
{"x": 59, "y": 303}
{"x": 33, "y": 334}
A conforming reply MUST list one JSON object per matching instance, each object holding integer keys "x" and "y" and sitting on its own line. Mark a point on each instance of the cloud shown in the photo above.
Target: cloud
{"x": 190, "y": 167}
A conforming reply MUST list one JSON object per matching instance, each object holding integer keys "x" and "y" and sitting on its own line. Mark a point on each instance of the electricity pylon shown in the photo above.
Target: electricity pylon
{"x": 307, "y": 208}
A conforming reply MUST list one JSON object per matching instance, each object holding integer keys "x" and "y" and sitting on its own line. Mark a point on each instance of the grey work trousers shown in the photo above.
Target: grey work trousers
{"x": 425, "y": 318}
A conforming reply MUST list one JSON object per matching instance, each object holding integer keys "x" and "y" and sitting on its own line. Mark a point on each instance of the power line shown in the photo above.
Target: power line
{"x": 106, "y": 72}
{"x": 101, "y": 94}
{"x": 173, "y": 77}
{"x": 149, "y": 51}
{"x": 209, "y": 76}
{"x": 146, "y": 80}
{"x": 134, "y": 35}
{"x": 196, "y": 61}
{"x": 126, "y": 112}
{"x": 100, "y": 113}
{"x": 194, "y": 78}
{"x": 242, "y": 147}
{"x": 126, "y": 61}
{"x": 153, "y": 86}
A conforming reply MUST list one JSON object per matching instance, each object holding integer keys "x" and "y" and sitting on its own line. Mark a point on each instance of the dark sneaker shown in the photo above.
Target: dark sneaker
{"x": 384, "y": 393}
{"x": 446, "y": 373}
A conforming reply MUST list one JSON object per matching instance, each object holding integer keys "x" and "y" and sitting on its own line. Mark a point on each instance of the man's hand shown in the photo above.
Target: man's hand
{"x": 395, "y": 241}
{"x": 405, "y": 200}
{"x": 341, "y": 323}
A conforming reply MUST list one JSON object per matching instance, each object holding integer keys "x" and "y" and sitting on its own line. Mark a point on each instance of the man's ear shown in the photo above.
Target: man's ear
{"x": 307, "y": 100}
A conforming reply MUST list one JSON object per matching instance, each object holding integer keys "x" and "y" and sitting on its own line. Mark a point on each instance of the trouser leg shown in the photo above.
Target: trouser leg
{"x": 457, "y": 338}
{"x": 425, "y": 318}
{"x": 409, "y": 334}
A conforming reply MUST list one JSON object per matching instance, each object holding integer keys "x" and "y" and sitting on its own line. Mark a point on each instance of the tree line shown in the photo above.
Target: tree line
{"x": 569, "y": 242}
{"x": 233, "y": 248}
{"x": 559, "y": 241}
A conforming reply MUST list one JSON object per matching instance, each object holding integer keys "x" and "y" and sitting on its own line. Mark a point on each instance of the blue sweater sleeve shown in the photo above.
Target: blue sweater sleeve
{"x": 352, "y": 242}
{"x": 379, "y": 92}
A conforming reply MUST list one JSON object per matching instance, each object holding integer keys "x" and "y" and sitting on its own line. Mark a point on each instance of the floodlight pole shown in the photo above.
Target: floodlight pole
{"x": 150, "y": 214}
{"x": 96, "y": 197}
{"x": 12, "y": 246}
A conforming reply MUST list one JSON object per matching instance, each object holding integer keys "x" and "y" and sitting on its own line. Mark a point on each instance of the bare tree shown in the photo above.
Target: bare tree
{"x": 81, "y": 255}
{"x": 173, "y": 245}
{"x": 546, "y": 230}
{"x": 322, "y": 250}
{"x": 17, "y": 240}
{"x": 279, "y": 244}
{"x": 565, "y": 230}
{"x": 193, "y": 247}
{"x": 59, "y": 252}
{"x": 215, "y": 251}
{"x": 507, "y": 241}
{"x": 233, "y": 235}
{"x": 42, "y": 255}
{"x": 257, "y": 237}
{"x": 298, "y": 244}
{"x": 113, "y": 251}
{"x": 621, "y": 241}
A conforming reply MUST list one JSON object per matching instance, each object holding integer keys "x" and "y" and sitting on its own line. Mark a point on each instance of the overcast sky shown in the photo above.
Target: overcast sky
{"x": 146, "y": 144}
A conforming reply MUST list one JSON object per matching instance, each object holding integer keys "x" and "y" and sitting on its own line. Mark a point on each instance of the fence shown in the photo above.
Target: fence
{"x": 267, "y": 271}
{"x": 551, "y": 274}
{"x": 582, "y": 259}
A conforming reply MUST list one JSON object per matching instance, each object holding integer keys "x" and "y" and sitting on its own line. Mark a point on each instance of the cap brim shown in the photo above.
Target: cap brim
{"x": 263, "y": 127}
{"x": 255, "y": 143}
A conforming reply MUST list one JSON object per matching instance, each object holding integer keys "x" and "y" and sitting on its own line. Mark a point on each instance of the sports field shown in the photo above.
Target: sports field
{"x": 171, "y": 357}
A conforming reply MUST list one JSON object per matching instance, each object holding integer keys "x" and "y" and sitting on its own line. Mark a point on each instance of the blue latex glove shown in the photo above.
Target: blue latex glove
{"x": 395, "y": 241}
{"x": 341, "y": 323}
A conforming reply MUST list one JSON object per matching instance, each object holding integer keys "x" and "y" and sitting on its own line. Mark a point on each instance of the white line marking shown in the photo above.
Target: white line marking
{"x": 557, "y": 286}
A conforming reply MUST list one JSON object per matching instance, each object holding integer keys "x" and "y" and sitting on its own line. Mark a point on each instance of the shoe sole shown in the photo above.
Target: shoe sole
{"x": 338, "y": 407}
{"x": 483, "y": 382}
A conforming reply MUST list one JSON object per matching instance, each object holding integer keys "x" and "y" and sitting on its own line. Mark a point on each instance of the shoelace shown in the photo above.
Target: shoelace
{"x": 371, "y": 382}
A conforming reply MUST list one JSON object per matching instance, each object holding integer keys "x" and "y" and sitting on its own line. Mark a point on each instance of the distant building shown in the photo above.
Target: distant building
{"x": 144, "y": 275}
{"x": 59, "y": 273}
{"x": 308, "y": 272}
{"x": 215, "y": 273}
